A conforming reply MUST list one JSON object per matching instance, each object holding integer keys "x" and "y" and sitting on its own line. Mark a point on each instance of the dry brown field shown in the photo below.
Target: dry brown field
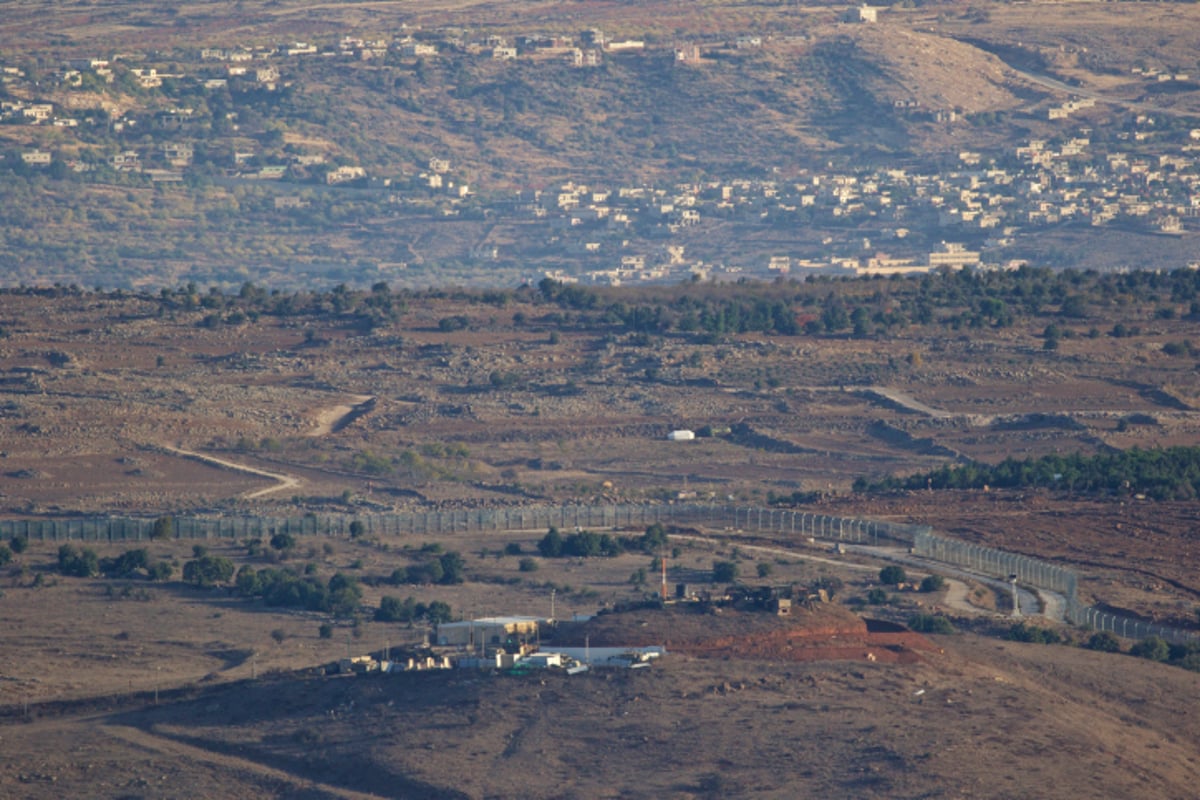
{"x": 139, "y": 689}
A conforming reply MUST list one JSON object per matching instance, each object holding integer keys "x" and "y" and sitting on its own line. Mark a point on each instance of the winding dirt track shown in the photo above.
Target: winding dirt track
{"x": 176, "y": 749}
{"x": 328, "y": 421}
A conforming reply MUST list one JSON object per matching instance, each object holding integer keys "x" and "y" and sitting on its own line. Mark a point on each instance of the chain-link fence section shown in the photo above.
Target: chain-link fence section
{"x": 989, "y": 560}
{"x": 1043, "y": 575}
{"x": 567, "y": 517}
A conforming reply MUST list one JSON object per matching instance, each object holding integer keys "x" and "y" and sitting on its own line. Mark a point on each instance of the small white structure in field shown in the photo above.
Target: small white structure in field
{"x": 681, "y": 436}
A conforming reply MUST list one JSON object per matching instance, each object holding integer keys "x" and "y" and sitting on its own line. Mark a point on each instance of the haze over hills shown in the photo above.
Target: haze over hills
{"x": 285, "y": 142}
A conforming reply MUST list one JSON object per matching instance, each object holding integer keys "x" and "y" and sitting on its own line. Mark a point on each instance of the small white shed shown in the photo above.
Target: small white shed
{"x": 681, "y": 436}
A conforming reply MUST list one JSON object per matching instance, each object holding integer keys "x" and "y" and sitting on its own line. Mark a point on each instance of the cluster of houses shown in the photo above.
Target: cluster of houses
{"x": 621, "y": 233}
{"x": 977, "y": 209}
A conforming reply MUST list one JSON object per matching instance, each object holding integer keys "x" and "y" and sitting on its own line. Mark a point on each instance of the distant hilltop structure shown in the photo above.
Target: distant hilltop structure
{"x": 863, "y": 13}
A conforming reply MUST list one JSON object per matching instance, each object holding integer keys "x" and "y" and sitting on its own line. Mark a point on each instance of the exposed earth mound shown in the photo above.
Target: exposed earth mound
{"x": 820, "y": 633}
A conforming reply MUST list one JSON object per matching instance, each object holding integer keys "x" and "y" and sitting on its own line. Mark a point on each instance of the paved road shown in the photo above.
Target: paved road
{"x": 1033, "y": 603}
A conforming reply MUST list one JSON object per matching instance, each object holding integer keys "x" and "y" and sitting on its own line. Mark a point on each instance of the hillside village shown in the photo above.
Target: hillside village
{"x": 203, "y": 115}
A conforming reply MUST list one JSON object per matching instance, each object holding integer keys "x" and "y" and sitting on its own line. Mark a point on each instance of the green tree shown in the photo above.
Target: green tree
{"x": 453, "y": 565}
{"x": 892, "y": 575}
{"x": 724, "y": 572}
{"x": 1154, "y": 648}
{"x": 654, "y": 539}
{"x": 551, "y": 545}
{"x": 283, "y": 542}
{"x": 208, "y": 571}
{"x": 1104, "y": 642}
{"x": 78, "y": 563}
{"x": 164, "y": 528}
{"x": 932, "y": 583}
{"x": 438, "y": 612}
{"x": 345, "y": 594}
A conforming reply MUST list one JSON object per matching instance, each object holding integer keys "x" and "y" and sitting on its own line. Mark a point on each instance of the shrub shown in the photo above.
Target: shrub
{"x": 512, "y": 549}
{"x": 208, "y": 571}
{"x": 164, "y": 528}
{"x": 125, "y": 565}
{"x": 1154, "y": 648}
{"x": 928, "y": 623}
{"x": 763, "y": 569}
{"x": 1020, "y": 632}
{"x": 283, "y": 542}
{"x": 654, "y": 539}
{"x": 527, "y": 565}
{"x": 1104, "y": 642}
{"x": 551, "y": 545}
{"x": 393, "y": 609}
{"x": 78, "y": 563}
{"x": 161, "y": 571}
{"x": 325, "y": 631}
{"x": 19, "y": 544}
{"x": 933, "y": 583}
{"x": 877, "y": 596}
{"x": 724, "y": 572}
{"x": 892, "y": 575}
{"x": 5, "y": 555}
{"x": 357, "y": 528}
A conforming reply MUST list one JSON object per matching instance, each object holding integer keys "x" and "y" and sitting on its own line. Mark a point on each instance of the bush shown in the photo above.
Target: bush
{"x": 877, "y": 597}
{"x": 1104, "y": 642}
{"x": 126, "y": 565}
{"x": 283, "y": 542}
{"x": 78, "y": 563}
{"x": 5, "y": 555}
{"x": 527, "y": 565}
{"x": 551, "y": 545}
{"x": 1020, "y": 632}
{"x": 1154, "y": 648}
{"x": 933, "y": 583}
{"x": 325, "y": 631}
{"x": 393, "y": 609}
{"x": 763, "y": 569}
{"x": 892, "y": 575}
{"x": 19, "y": 544}
{"x": 161, "y": 571}
{"x": 208, "y": 571}
{"x": 724, "y": 572}
{"x": 164, "y": 528}
{"x": 512, "y": 549}
{"x": 928, "y": 623}
{"x": 357, "y": 528}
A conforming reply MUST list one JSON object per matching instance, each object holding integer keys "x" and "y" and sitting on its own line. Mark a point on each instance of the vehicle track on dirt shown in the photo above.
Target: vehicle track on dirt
{"x": 174, "y": 748}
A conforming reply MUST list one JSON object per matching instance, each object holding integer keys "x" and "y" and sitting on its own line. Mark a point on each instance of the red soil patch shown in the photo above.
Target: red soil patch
{"x": 823, "y": 633}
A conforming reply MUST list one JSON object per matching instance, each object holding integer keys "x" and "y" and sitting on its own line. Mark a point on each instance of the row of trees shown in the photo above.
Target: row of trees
{"x": 585, "y": 544}
{"x": 1161, "y": 473}
{"x": 84, "y": 563}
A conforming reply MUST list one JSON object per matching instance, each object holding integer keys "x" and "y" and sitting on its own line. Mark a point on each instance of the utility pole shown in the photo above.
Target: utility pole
{"x": 1016, "y": 598}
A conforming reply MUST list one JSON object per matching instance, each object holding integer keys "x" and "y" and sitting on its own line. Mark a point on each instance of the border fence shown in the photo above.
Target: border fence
{"x": 924, "y": 542}
{"x": 121, "y": 529}
{"x": 1043, "y": 575}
